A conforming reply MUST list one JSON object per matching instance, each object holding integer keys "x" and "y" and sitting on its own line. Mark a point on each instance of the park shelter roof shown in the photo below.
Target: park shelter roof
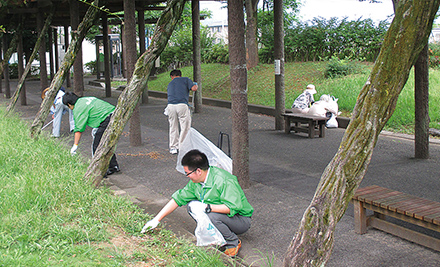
{"x": 30, "y": 9}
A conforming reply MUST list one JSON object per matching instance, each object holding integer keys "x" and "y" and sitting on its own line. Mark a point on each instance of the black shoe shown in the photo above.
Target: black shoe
{"x": 112, "y": 170}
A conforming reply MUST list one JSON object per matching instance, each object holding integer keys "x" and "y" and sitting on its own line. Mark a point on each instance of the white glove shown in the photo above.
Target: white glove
{"x": 197, "y": 206}
{"x": 73, "y": 150}
{"x": 150, "y": 225}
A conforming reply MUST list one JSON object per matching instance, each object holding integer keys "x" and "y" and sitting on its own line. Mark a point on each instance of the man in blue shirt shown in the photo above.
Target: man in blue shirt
{"x": 177, "y": 109}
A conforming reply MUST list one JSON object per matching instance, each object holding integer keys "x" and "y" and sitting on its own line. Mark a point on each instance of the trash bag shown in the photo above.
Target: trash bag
{"x": 332, "y": 122}
{"x": 206, "y": 233}
{"x": 195, "y": 140}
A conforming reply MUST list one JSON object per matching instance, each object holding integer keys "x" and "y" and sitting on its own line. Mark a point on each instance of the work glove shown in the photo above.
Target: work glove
{"x": 150, "y": 225}
{"x": 197, "y": 206}
{"x": 73, "y": 150}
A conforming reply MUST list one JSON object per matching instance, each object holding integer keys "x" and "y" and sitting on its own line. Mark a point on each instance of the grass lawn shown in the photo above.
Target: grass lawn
{"x": 49, "y": 216}
{"x": 261, "y": 91}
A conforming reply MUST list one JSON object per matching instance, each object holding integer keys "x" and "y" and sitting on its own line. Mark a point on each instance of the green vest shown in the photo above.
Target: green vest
{"x": 221, "y": 187}
{"x": 90, "y": 111}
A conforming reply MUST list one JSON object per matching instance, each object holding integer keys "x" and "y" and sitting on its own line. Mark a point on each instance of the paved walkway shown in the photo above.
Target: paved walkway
{"x": 284, "y": 170}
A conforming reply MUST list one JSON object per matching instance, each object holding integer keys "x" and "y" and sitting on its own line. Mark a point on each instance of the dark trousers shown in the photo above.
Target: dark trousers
{"x": 97, "y": 138}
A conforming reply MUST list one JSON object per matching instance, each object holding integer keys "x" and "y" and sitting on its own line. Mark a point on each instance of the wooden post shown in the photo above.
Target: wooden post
{"x": 360, "y": 218}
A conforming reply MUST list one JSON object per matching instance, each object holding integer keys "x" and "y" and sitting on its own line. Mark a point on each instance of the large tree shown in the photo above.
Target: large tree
{"x": 405, "y": 39}
{"x": 239, "y": 102}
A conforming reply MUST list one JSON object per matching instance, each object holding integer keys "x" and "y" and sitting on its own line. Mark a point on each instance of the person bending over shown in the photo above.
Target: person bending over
{"x": 218, "y": 193}
{"x": 95, "y": 113}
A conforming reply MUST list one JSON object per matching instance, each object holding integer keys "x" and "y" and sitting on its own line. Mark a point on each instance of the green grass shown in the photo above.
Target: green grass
{"x": 261, "y": 80}
{"x": 49, "y": 216}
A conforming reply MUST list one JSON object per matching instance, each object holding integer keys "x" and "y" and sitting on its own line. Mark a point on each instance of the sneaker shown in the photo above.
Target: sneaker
{"x": 112, "y": 170}
{"x": 173, "y": 151}
{"x": 232, "y": 252}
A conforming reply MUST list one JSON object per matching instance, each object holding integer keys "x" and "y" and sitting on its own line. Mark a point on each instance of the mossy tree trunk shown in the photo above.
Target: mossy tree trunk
{"x": 238, "y": 70}
{"x": 66, "y": 64}
{"x": 406, "y": 37}
{"x": 29, "y": 62}
{"x": 129, "y": 98}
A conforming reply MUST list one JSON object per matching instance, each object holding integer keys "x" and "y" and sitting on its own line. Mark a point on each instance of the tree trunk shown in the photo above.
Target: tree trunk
{"x": 129, "y": 98}
{"x": 130, "y": 61}
{"x": 78, "y": 72}
{"x": 66, "y": 47}
{"x": 63, "y": 72}
{"x": 20, "y": 55}
{"x": 141, "y": 26}
{"x": 197, "y": 55}
{"x": 5, "y": 67}
{"x": 421, "y": 99}
{"x": 51, "y": 63}
{"x": 56, "y": 52}
{"x": 280, "y": 104}
{"x": 29, "y": 63}
{"x": 239, "y": 107}
{"x": 106, "y": 45}
{"x": 41, "y": 51}
{"x": 251, "y": 34}
{"x": 406, "y": 37}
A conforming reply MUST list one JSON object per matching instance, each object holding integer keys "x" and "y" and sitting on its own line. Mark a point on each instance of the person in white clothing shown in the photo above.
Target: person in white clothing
{"x": 58, "y": 109}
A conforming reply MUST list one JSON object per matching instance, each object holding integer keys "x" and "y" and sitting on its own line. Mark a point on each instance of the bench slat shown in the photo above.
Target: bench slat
{"x": 427, "y": 215}
{"x": 380, "y": 198}
{"x": 434, "y": 217}
{"x": 367, "y": 189}
{"x": 391, "y": 202}
{"x": 415, "y": 202}
{"x": 436, "y": 220}
{"x": 427, "y": 205}
{"x": 365, "y": 197}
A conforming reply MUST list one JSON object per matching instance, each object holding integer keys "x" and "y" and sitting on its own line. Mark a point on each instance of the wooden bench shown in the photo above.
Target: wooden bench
{"x": 313, "y": 125}
{"x": 385, "y": 202}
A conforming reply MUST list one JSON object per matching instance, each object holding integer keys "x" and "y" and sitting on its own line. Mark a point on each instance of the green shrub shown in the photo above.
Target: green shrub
{"x": 341, "y": 67}
{"x": 219, "y": 53}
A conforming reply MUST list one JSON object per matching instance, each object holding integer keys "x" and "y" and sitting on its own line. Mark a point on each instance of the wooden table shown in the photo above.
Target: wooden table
{"x": 312, "y": 125}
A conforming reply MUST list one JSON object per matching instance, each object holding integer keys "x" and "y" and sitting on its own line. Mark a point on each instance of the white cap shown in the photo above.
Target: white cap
{"x": 311, "y": 89}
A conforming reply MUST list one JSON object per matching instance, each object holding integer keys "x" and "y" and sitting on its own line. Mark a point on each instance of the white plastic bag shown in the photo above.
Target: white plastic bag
{"x": 332, "y": 122}
{"x": 206, "y": 233}
{"x": 195, "y": 140}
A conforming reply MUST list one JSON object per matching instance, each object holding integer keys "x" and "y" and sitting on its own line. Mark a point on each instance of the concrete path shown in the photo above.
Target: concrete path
{"x": 284, "y": 170}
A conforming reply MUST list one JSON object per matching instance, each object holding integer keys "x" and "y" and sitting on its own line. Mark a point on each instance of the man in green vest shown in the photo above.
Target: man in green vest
{"x": 218, "y": 194}
{"x": 95, "y": 113}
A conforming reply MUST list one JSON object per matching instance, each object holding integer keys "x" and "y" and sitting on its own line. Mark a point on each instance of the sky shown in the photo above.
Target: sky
{"x": 353, "y": 9}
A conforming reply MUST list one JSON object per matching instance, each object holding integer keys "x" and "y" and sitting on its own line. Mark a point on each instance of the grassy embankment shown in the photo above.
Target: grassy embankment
{"x": 261, "y": 80}
{"x": 49, "y": 216}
